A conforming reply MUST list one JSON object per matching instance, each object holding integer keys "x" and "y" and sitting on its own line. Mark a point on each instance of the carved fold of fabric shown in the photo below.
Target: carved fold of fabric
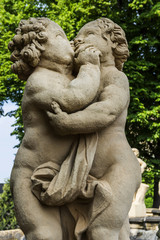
{"x": 56, "y": 186}
{"x": 71, "y": 184}
{"x": 42, "y": 176}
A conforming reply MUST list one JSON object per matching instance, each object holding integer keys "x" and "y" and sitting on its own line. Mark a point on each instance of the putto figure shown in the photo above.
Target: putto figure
{"x": 75, "y": 174}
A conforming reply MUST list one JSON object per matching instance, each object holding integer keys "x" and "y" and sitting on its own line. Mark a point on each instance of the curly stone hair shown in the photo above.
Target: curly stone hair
{"x": 27, "y": 45}
{"x": 117, "y": 34}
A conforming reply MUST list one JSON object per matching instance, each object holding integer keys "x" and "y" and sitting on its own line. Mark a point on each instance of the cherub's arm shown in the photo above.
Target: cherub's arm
{"x": 99, "y": 115}
{"x": 80, "y": 92}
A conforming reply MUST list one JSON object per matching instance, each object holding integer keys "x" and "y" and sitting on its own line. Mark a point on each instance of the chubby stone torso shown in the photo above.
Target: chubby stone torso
{"x": 40, "y": 142}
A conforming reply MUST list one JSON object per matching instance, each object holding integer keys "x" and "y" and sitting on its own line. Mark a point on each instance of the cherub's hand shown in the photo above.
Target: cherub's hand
{"x": 55, "y": 107}
{"x": 87, "y": 54}
{"x": 58, "y": 119}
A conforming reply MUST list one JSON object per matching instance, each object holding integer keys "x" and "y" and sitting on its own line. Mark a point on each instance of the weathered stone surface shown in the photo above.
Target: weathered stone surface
{"x": 156, "y": 212}
{"x": 15, "y": 234}
{"x": 146, "y": 223}
{"x": 137, "y": 220}
{"x": 143, "y": 235}
{"x": 137, "y": 226}
{"x": 153, "y": 212}
{"x": 75, "y": 173}
{"x": 158, "y": 232}
{"x": 151, "y": 226}
{"x": 152, "y": 219}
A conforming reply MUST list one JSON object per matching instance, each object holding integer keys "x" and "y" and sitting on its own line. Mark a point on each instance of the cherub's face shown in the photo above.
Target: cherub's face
{"x": 91, "y": 34}
{"x": 57, "y": 47}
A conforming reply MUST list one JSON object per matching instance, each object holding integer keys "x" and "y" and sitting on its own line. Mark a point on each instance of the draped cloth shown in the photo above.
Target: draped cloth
{"x": 71, "y": 184}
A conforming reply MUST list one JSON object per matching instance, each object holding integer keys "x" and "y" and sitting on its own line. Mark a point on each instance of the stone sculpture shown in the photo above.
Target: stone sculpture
{"x": 11, "y": 234}
{"x": 75, "y": 174}
{"x": 138, "y": 208}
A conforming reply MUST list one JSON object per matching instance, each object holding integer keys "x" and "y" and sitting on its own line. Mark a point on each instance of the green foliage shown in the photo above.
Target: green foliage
{"x": 8, "y": 219}
{"x": 72, "y": 15}
{"x": 141, "y": 21}
{"x": 143, "y": 125}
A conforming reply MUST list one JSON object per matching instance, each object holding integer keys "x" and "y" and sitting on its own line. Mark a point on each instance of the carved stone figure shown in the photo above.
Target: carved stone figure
{"x": 138, "y": 208}
{"x": 75, "y": 174}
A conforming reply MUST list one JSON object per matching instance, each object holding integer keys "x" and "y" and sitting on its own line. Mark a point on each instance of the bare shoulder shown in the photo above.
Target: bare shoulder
{"x": 36, "y": 82}
{"x": 113, "y": 76}
{"x": 115, "y": 84}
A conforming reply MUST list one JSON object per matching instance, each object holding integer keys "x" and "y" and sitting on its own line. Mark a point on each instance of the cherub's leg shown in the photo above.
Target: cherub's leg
{"x": 108, "y": 224}
{"x": 37, "y": 221}
{"x": 102, "y": 233}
